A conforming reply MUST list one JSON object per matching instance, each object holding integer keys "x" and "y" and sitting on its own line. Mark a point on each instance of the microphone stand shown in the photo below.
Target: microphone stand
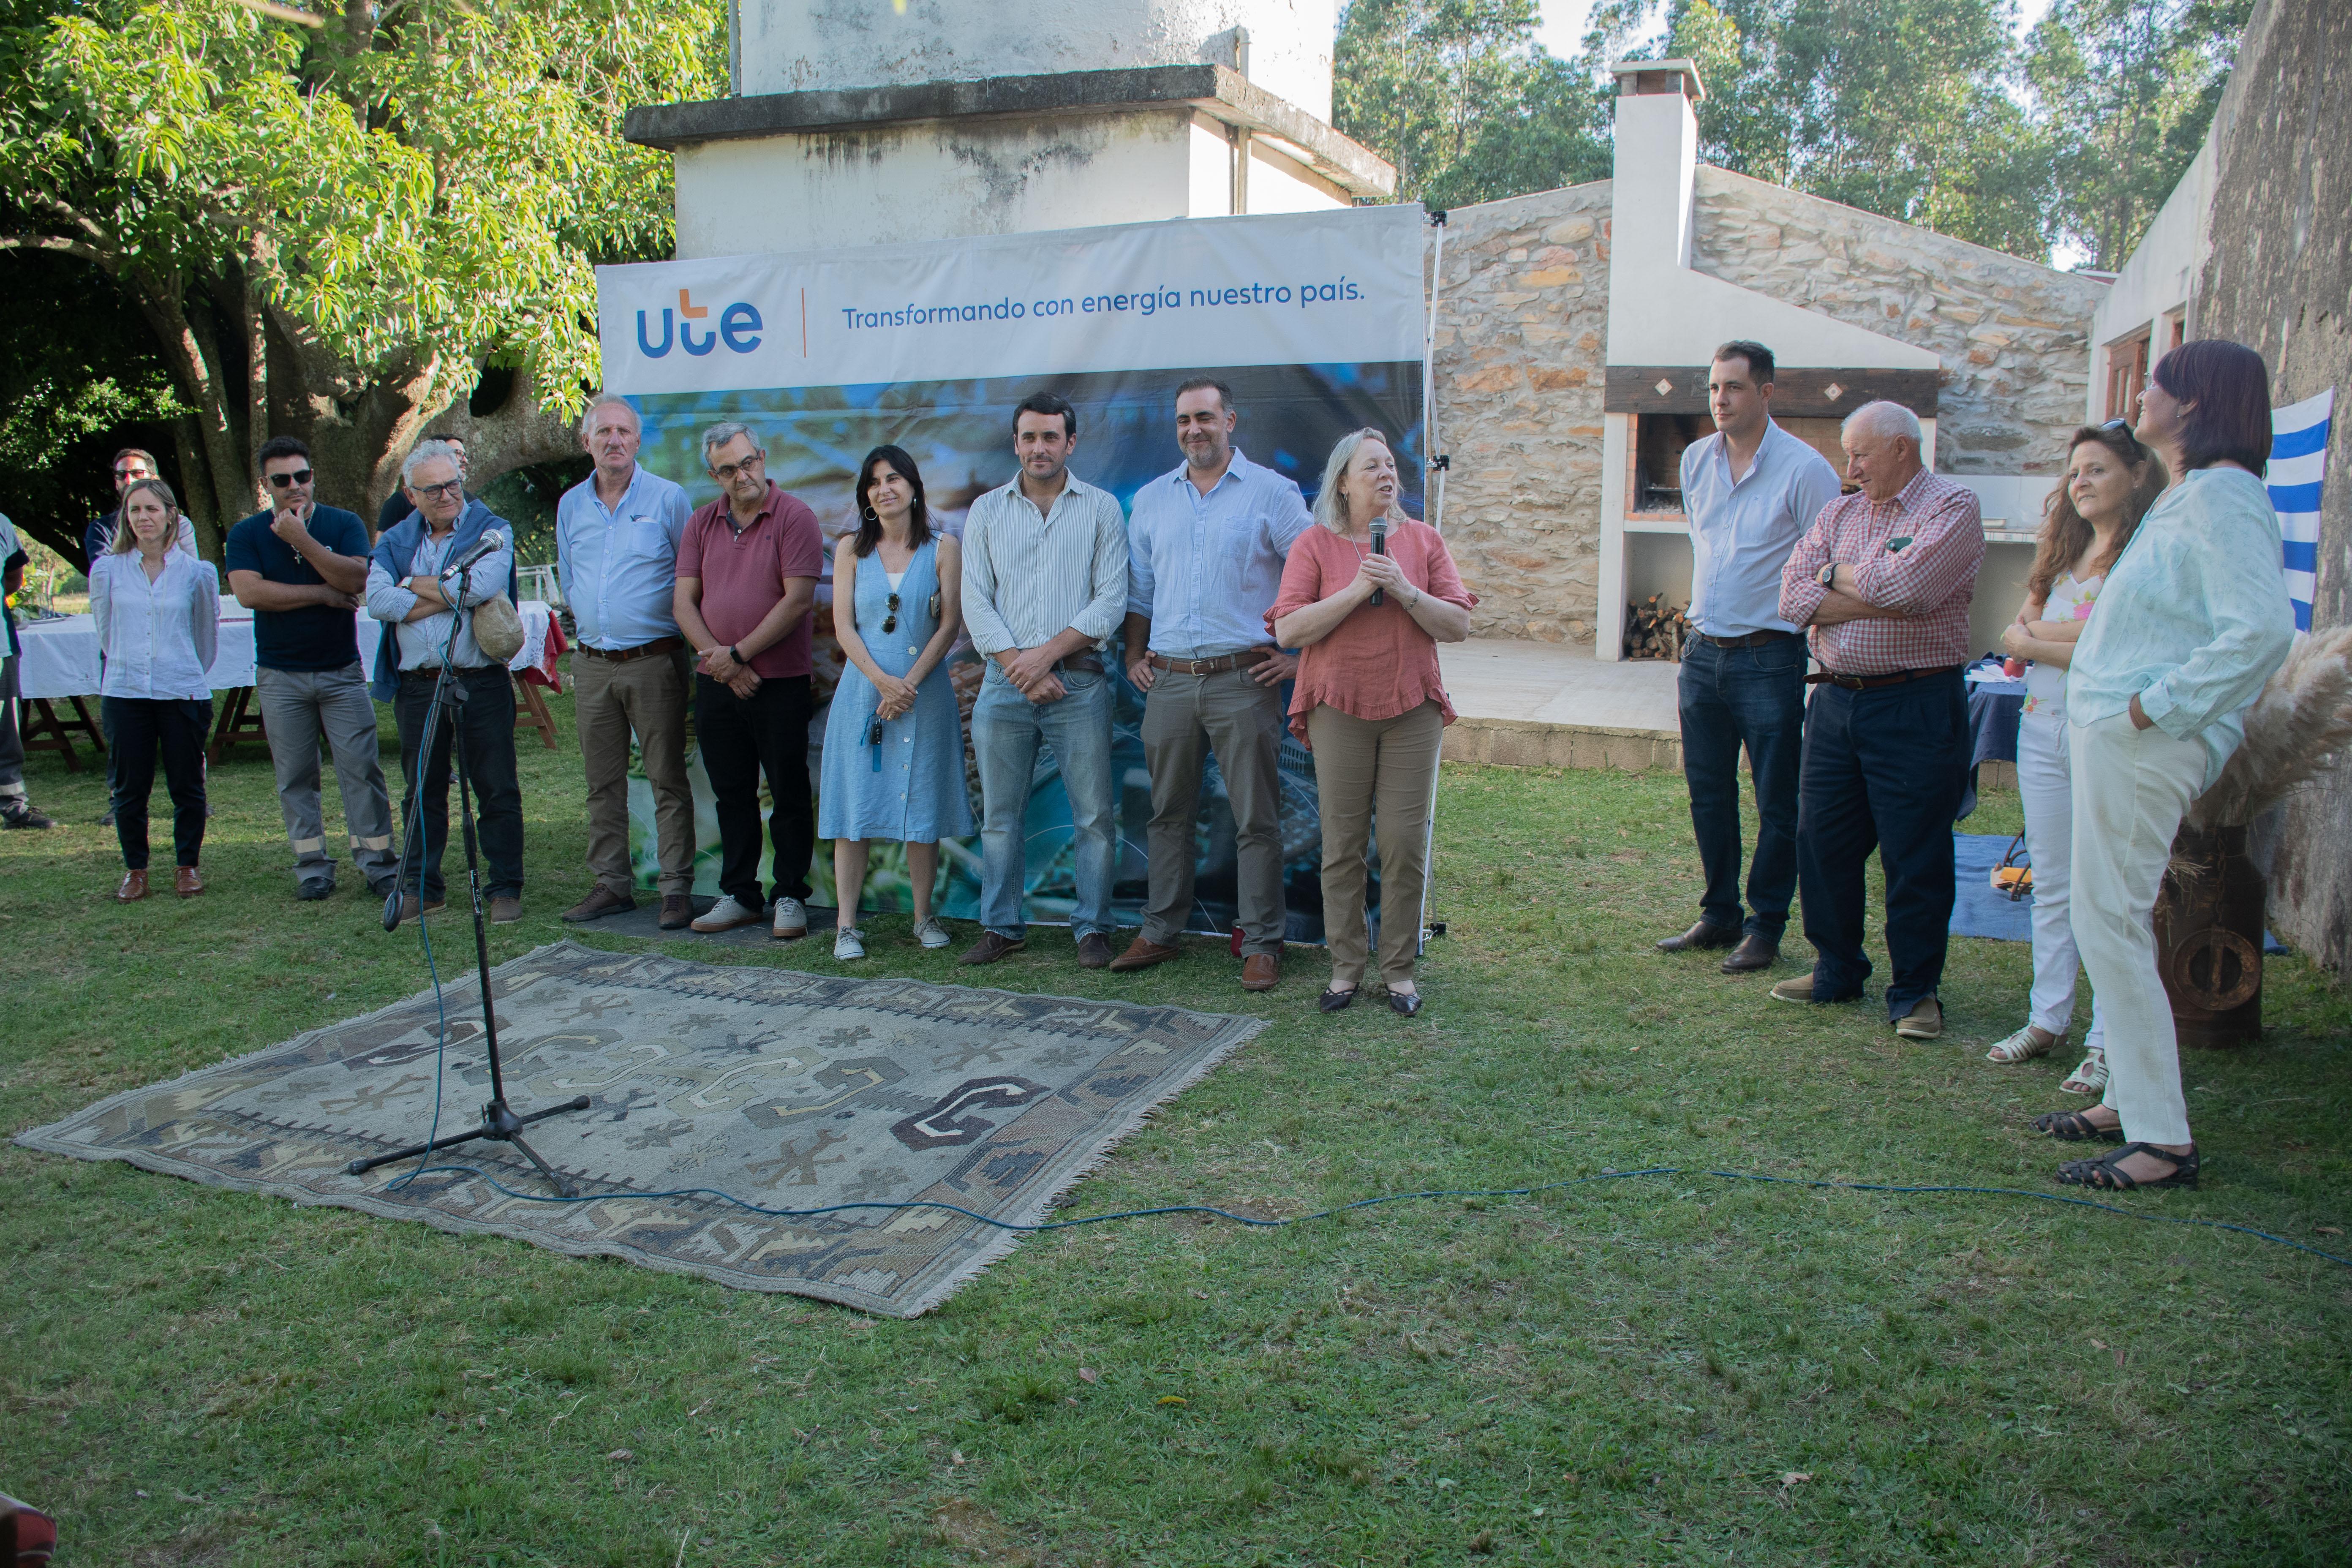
{"x": 500, "y": 1122}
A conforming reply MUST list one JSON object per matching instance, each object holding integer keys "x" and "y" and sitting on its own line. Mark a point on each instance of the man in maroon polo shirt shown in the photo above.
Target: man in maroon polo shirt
{"x": 747, "y": 572}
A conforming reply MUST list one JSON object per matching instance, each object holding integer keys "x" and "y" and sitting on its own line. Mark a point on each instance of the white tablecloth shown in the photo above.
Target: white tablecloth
{"x": 60, "y": 656}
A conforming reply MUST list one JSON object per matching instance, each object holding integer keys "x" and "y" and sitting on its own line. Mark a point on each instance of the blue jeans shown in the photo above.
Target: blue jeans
{"x": 1884, "y": 770}
{"x": 1754, "y": 696}
{"x": 1006, "y": 728}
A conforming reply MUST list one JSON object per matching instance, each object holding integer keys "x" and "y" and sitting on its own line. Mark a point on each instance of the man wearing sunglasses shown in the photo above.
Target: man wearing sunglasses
{"x": 130, "y": 466}
{"x": 301, "y": 568}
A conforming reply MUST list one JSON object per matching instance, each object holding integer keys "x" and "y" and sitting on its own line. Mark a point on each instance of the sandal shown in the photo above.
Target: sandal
{"x": 2021, "y": 1047}
{"x": 1333, "y": 1001}
{"x": 2074, "y": 1127}
{"x": 2091, "y": 1076}
{"x": 2106, "y": 1172}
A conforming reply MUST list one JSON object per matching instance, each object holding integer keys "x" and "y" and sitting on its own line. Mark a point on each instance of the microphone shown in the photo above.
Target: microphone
{"x": 1381, "y": 547}
{"x": 490, "y": 543}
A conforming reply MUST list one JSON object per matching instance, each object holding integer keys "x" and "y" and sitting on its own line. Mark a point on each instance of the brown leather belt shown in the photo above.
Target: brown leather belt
{"x": 643, "y": 651}
{"x": 1217, "y": 665}
{"x": 1753, "y": 639}
{"x": 1084, "y": 663}
{"x": 1867, "y": 683}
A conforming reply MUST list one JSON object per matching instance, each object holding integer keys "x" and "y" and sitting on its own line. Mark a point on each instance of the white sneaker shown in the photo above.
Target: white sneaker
{"x": 932, "y": 934}
{"x": 792, "y": 921}
{"x": 848, "y": 942}
{"x": 725, "y": 915}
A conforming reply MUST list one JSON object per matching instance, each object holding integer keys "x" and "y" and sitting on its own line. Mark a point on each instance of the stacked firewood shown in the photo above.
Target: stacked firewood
{"x": 1655, "y": 630}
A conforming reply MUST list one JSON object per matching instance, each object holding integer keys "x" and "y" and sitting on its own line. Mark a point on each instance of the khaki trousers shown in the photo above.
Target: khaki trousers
{"x": 1363, "y": 767}
{"x": 2131, "y": 788}
{"x": 648, "y": 696}
{"x": 1186, "y": 718}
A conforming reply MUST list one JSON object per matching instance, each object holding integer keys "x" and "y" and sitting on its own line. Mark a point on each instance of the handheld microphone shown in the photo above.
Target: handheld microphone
{"x": 490, "y": 543}
{"x": 1379, "y": 547}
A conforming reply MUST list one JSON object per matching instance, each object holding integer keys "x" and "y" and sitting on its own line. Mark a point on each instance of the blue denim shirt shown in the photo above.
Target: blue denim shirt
{"x": 619, "y": 567}
{"x": 1206, "y": 568}
{"x": 2194, "y": 616}
{"x": 1742, "y": 534}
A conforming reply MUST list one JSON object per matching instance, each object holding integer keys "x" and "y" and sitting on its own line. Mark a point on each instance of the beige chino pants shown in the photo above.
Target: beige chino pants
{"x": 1364, "y": 768}
{"x": 648, "y": 696}
{"x": 2131, "y": 787}
{"x": 1185, "y": 719}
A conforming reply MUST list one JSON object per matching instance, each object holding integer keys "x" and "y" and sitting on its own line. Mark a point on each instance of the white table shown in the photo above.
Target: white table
{"x": 59, "y": 663}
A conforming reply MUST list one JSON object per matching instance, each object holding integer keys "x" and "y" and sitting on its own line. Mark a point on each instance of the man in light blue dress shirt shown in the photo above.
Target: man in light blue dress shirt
{"x": 1206, "y": 543}
{"x": 1751, "y": 491}
{"x": 616, "y": 534}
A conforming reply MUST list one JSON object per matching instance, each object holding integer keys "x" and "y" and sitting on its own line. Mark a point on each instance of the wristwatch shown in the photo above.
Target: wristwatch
{"x": 1827, "y": 575}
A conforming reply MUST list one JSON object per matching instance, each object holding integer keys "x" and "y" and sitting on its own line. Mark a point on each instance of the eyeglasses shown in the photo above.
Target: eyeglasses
{"x": 134, "y": 472}
{"x": 436, "y": 492}
{"x": 890, "y": 621}
{"x": 2116, "y": 424}
{"x": 725, "y": 472}
{"x": 298, "y": 477}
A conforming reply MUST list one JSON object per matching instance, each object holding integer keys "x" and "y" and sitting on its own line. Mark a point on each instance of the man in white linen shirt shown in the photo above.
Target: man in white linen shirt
{"x": 1752, "y": 491}
{"x": 1044, "y": 582}
{"x": 1206, "y": 545}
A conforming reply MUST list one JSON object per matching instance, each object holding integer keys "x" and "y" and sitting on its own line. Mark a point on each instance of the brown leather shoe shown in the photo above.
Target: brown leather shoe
{"x": 1261, "y": 971}
{"x": 133, "y": 888}
{"x": 601, "y": 901}
{"x": 186, "y": 883}
{"x": 1094, "y": 950}
{"x": 1753, "y": 952}
{"x": 1142, "y": 953}
{"x": 677, "y": 912}
{"x": 505, "y": 910}
{"x": 993, "y": 945}
{"x": 410, "y": 911}
{"x": 1707, "y": 933}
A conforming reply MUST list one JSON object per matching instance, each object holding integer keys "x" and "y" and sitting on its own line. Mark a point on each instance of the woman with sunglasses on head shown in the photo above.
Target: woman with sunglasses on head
{"x": 893, "y": 768}
{"x": 2111, "y": 482}
{"x": 2193, "y": 619}
{"x": 158, "y": 616}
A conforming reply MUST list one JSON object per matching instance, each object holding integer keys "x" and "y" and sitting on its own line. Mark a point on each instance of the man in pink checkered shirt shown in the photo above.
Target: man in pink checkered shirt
{"x": 1884, "y": 578}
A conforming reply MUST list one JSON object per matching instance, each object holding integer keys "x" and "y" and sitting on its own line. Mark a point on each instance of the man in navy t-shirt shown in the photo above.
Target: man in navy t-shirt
{"x": 300, "y": 568}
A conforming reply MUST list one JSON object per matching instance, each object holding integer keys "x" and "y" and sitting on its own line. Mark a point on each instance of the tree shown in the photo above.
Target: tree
{"x": 2127, "y": 90}
{"x": 1456, "y": 94}
{"x": 331, "y": 231}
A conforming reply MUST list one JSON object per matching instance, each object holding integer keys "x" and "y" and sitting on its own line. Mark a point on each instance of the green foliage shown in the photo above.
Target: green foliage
{"x": 2127, "y": 90}
{"x": 1455, "y": 94}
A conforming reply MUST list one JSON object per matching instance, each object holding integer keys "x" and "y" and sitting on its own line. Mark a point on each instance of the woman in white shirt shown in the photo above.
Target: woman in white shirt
{"x": 2111, "y": 482}
{"x": 158, "y": 613}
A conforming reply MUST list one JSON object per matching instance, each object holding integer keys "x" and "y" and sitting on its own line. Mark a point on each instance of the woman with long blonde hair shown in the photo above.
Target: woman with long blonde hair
{"x": 2111, "y": 482}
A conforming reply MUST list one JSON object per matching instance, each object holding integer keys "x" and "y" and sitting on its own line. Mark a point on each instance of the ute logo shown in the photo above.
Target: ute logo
{"x": 738, "y": 327}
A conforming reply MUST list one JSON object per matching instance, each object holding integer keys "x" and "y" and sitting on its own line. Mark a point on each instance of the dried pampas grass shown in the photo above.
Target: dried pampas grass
{"x": 2301, "y": 720}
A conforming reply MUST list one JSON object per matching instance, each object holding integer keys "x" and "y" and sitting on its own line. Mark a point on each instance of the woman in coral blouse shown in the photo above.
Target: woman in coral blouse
{"x": 1370, "y": 701}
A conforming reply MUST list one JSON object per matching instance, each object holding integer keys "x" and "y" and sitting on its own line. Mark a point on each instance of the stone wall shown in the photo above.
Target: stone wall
{"x": 1521, "y": 335}
{"x": 2013, "y": 336}
{"x": 2278, "y": 277}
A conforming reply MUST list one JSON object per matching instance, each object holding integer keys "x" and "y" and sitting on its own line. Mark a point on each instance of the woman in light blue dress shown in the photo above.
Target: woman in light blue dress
{"x": 894, "y": 740}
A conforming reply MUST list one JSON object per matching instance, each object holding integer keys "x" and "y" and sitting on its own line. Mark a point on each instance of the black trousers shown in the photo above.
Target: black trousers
{"x": 140, "y": 728}
{"x": 743, "y": 738}
{"x": 1882, "y": 770}
{"x": 484, "y": 723}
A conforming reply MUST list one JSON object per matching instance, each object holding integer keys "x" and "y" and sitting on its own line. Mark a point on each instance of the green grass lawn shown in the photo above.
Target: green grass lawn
{"x": 1658, "y": 1370}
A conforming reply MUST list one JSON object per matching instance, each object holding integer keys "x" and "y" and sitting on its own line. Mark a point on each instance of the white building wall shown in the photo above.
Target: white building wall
{"x": 2159, "y": 278}
{"x": 939, "y": 179}
{"x": 792, "y": 46}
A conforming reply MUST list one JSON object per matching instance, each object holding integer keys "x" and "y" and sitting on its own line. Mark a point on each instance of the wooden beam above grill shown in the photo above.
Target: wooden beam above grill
{"x": 1797, "y": 394}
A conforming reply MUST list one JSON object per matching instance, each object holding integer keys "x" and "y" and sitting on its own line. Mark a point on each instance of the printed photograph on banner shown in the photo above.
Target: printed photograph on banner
{"x": 959, "y": 432}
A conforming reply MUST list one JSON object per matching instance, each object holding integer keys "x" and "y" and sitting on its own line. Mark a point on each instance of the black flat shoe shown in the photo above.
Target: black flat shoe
{"x": 2108, "y": 1174}
{"x": 1405, "y": 1003}
{"x": 1334, "y": 1000}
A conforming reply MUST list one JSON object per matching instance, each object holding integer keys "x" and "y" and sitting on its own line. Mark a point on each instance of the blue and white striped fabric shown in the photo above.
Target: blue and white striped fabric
{"x": 2298, "y": 468}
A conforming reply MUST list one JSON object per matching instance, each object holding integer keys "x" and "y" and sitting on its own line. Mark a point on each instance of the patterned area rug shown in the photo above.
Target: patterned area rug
{"x": 789, "y": 1090}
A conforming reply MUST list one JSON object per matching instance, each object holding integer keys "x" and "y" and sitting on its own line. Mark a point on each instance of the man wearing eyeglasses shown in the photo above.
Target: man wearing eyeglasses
{"x": 397, "y": 507}
{"x": 747, "y": 572}
{"x": 616, "y": 536}
{"x": 404, "y": 591}
{"x": 130, "y": 466}
{"x": 301, "y": 568}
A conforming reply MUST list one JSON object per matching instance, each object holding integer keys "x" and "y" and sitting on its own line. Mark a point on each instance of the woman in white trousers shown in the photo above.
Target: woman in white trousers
{"x": 2194, "y": 618}
{"x": 2111, "y": 482}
